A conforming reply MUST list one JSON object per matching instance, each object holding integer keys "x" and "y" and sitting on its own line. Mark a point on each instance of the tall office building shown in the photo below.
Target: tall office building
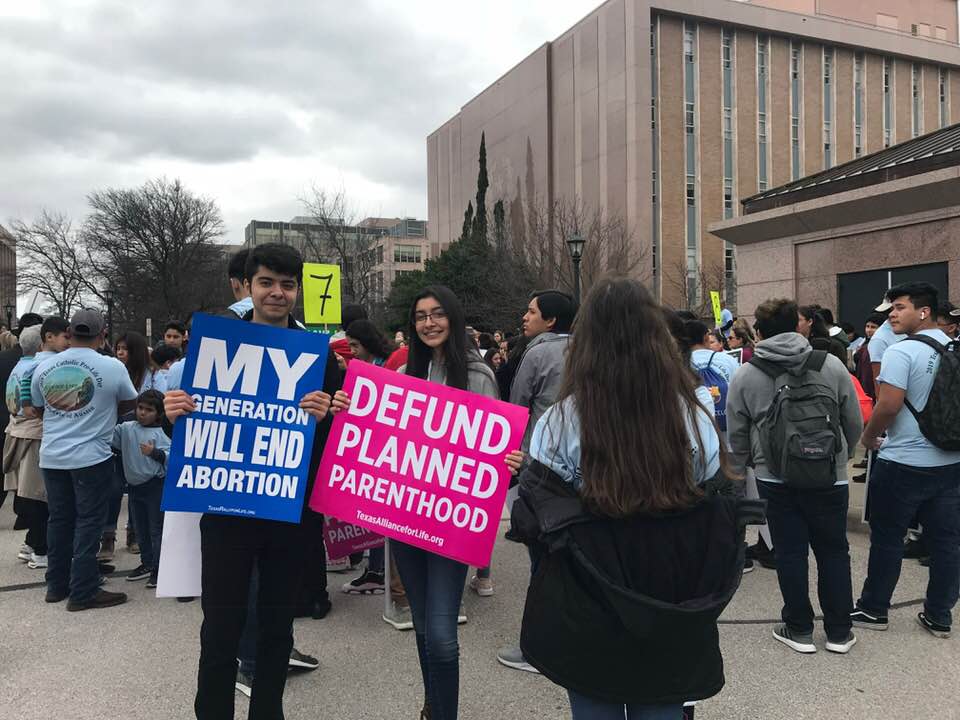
{"x": 8, "y": 274}
{"x": 668, "y": 113}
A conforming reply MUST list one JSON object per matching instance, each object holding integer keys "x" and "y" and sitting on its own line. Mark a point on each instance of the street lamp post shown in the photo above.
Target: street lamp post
{"x": 575, "y": 244}
{"x": 109, "y": 295}
{"x": 9, "y": 310}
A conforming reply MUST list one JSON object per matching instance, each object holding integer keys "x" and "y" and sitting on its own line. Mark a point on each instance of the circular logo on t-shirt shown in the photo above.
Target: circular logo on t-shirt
{"x": 68, "y": 388}
{"x": 13, "y": 395}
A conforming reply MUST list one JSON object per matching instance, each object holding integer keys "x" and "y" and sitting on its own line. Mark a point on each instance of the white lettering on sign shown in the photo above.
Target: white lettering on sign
{"x": 245, "y": 366}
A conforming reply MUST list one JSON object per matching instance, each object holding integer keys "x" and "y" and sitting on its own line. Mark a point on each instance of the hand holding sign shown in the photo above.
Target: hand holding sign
{"x": 419, "y": 462}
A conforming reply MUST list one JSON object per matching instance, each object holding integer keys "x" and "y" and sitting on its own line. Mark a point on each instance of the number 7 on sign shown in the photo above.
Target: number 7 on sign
{"x": 321, "y": 294}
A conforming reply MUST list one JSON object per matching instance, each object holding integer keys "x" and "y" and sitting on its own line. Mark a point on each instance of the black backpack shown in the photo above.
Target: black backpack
{"x": 939, "y": 420}
{"x": 800, "y": 432}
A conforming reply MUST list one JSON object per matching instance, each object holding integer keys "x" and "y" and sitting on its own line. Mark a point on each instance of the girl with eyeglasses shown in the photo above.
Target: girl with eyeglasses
{"x": 440, "y": 353}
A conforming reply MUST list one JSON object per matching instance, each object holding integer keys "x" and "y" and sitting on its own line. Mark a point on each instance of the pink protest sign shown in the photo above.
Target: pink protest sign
{"x": 419, "y": 462}
{"x": 344, "y": 539}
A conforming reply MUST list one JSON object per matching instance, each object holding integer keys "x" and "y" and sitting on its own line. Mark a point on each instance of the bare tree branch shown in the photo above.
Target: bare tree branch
{"x": 52, "y": 261}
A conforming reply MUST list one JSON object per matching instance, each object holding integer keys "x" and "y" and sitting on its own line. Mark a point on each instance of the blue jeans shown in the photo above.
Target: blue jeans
{"x": 801, "y": 520}
{"x": 584, "y": 708}
{"x": 145, "y": 508}
{"x": 897, "y": 492}
{"x": 77, "y": 502}
{"x": 434, "y": 586}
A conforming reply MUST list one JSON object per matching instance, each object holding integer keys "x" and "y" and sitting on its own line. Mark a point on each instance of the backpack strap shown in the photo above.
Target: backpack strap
{"x": 770, "y": 369}
{"x": 929, "y": 342}
{"x": 815, "y": 360}
{"x": 710, "y": 361}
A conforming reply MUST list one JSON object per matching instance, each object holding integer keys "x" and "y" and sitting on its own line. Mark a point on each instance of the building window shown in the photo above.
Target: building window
{"x": 379, "y": 254}
{"x": 728, "y": 90}
{"x": 689, "y": 95}
{"x": 858, "y": 105}
{"x": 795, "y": 109}
{"x": 916, "y": 123}
{"x": 728, "y": 148}
{"x": 887, "y": 102}
{"x": 763, "y": 50}
{"x": 827, "y": 107}
{"x": 654, "y": 86}
{"x": 406, "y": 253}
{"x": 944, "y": 115}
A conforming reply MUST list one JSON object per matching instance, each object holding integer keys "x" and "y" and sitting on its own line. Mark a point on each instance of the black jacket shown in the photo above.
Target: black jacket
{"x": 625, "y": 610}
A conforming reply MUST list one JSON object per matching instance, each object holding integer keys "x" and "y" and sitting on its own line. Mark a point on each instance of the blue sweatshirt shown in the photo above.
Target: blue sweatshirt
{"x": 137, "y": 467}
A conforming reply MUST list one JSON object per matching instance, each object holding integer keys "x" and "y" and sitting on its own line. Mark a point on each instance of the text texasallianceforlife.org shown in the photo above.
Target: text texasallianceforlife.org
{"x": 396, "y": 527}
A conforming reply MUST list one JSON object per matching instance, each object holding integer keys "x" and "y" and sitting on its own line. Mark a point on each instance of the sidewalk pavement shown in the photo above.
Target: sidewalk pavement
{"x": 139, "y": 660}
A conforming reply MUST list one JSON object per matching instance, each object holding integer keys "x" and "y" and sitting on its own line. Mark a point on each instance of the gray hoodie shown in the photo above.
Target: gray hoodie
{"x": 751, "y": 392}
{"x": 538, "y": 379}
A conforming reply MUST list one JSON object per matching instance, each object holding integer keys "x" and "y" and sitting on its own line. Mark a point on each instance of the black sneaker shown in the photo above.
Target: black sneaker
{"x": 915, "y": 550}
{"x": 302, "y": 662}
{"x": 861, "y": 478}
{"x": 103, "y": 599}
{"x": 935, "y": 629}
{"x": 105, "y": 568}
{"x": 861, "y": 618}
{"x": 152, "y": 582}
{"x": 801, "y": 642}
{"x": 368, "y": 583}
{"x": 55, "y": 597}
{"x": 142, "y": 572}
{"x": 244, "y": 683}
{"x": 747, "y": 566}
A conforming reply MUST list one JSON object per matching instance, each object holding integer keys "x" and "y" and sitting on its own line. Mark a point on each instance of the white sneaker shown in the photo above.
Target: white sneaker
{"x": 25, "y": 553}
{"x": 37, "y": 562}
{"x": 481, "y": 586}
{"x": 399, "y": 616}
{"x": 461, "y": 616}
{"x": 842, "y": 647}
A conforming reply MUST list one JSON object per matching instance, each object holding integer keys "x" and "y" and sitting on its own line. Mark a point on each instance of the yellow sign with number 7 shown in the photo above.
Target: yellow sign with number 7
{"x": 321, "y": 294}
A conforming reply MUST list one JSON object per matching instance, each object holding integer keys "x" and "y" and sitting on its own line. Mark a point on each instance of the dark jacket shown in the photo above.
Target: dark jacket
{"x": 625, "y": 610}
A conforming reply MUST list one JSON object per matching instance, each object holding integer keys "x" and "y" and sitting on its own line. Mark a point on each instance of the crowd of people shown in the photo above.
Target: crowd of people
{"x": 648, "y": 428}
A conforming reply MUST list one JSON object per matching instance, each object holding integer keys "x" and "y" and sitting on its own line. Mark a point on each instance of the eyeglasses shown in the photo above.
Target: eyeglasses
{"x": 421, "y": 318}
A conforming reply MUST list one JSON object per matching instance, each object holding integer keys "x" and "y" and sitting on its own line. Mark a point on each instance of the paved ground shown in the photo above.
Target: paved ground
{"x": 139, "y": 660}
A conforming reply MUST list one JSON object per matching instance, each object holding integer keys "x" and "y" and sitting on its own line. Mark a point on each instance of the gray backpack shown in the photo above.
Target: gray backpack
{"x": 800, "y": 432}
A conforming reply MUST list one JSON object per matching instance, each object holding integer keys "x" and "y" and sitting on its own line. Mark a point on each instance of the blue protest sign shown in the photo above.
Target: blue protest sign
{"x": 245, "y": 450}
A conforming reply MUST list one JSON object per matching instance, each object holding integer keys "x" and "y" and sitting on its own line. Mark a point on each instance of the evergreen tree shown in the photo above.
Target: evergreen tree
{"x": 466, "y": 231}
{"x": 480, "y": 215}
{"x": 499, "y": 227}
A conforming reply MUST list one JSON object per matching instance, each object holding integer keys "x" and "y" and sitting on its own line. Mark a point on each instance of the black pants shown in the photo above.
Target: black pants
{"x": 800, "y": 520}
{"x": 33, "y": 515}
{"x": 314, "y": 588}
{"x": 229, "y": 547}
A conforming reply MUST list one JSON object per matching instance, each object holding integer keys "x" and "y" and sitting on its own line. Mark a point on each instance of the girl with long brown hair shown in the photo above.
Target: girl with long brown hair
{"x": 635, "y": 553}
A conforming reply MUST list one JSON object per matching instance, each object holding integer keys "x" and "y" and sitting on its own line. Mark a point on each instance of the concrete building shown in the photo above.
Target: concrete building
{"x": 8, "y": 274}
{"x": 395, "y": 245}
{"x": 668, "y": 113}
{"x": 842, "y": 237}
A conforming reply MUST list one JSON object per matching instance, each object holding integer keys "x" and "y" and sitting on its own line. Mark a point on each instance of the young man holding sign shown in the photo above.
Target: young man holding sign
{"x": 425, "y": 465}
{"x": 232, "y": 543}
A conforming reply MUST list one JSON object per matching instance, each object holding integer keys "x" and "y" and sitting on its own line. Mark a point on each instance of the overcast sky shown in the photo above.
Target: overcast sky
{"x": 246, "y": 102}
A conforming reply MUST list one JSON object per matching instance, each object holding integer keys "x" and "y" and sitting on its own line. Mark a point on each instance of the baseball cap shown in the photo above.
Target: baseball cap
{"x": 883, "y": 306}
{"x": 86, "y": 323}
{"x": 955, "y": 312}
{"x": 26, "y": 320}
{"x": 835, "y": 330}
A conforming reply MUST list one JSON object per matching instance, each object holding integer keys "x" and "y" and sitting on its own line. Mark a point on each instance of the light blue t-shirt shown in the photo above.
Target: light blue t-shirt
{"x": 883, "y": 338}
{"x": 175, "y": 375}
{"x": 12, "y": 395}
{"x": 79, "y": 390}
{"x": 137, "y": 467}
{"x": 910, "y": 365}
{"x": 722, "y": 363}
{"x": 153, "y": 380}
{"x": 242, "y": 307}
{"x": 556, "y": 442}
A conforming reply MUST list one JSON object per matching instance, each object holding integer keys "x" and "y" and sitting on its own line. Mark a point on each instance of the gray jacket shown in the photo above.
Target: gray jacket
{"x": 538, "y": 379}
{"x": 751, "y": 392}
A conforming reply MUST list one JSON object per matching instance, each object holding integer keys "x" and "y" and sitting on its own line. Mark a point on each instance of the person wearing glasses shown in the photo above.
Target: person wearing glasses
{"x": 440, "y": 353}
